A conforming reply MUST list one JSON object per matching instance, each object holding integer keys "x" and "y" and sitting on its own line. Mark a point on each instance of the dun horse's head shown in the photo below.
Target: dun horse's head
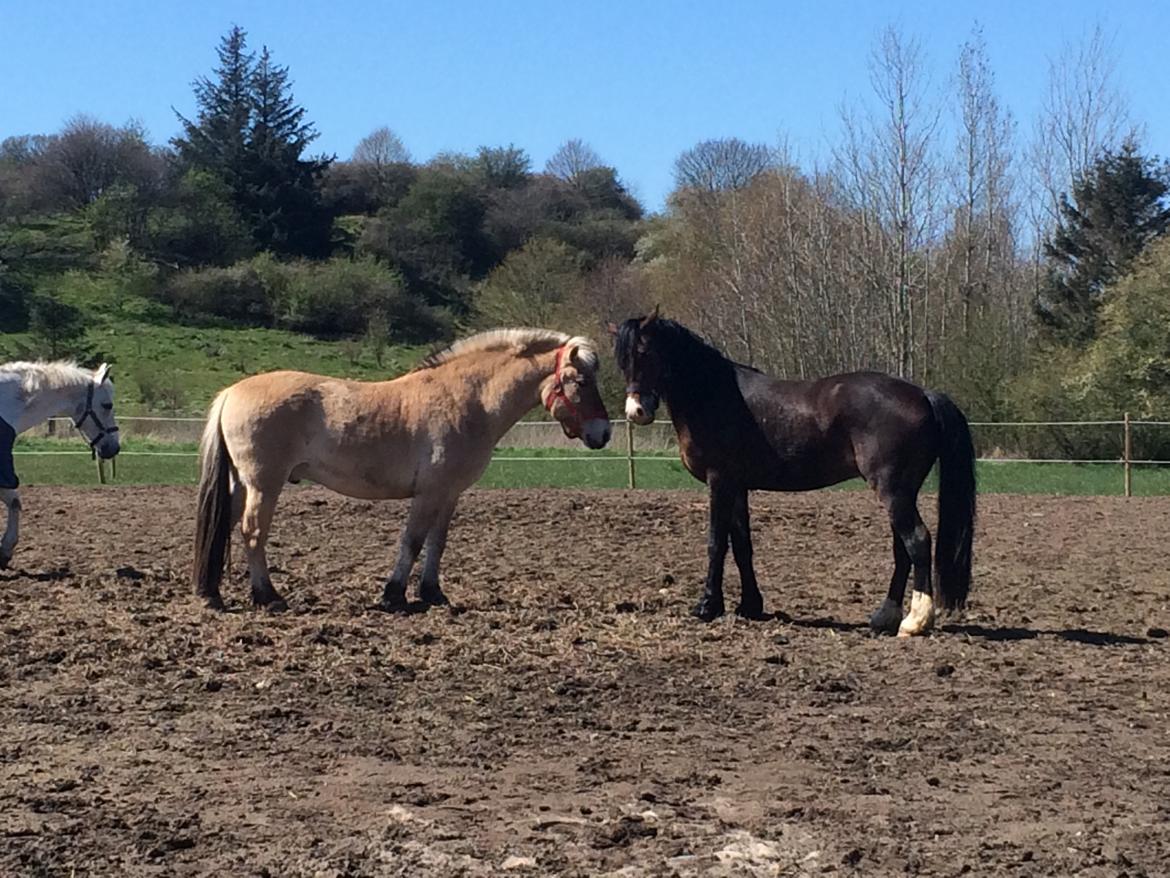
{"x": 572, "y": 397}
{"x": 641, "y": 366}
{"x": 94, "y": 415}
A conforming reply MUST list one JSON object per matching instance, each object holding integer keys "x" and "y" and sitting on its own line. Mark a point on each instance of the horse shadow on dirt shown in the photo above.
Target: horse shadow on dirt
{"x": 992, "y": 633}
{"x": 57, "y": 575}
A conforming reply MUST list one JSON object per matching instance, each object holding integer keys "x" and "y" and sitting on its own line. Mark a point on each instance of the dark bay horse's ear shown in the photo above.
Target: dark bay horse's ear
{"x": 103, "y": 373}
{"x": 646, "y": 321}
{"x": 611, "y": 328}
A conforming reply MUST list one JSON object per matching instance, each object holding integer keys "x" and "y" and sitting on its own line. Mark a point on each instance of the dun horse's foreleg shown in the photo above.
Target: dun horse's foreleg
{"x": 710, "y": 606}
{"x": 11, "y": 500}
{"x": 418, "y": 524}
{"x": 888, "y": 616}
{"x": 915, "y": 537}
{"x": 429, "y": 591}
{"x": 751, "y": 602}
{"x": 255, "y": 524}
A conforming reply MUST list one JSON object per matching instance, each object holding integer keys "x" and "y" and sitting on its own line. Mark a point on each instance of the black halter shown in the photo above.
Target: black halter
{"x": 103, "y": 430}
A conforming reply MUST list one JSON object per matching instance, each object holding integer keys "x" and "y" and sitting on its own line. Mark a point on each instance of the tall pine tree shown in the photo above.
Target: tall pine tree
{"x": 252, "y": 134}
{"x": 1117, "y": 208}
{"x": 283, "y": 191}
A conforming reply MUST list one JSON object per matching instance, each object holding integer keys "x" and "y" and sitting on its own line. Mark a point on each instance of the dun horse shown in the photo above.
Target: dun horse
{"x": 31, "y": 393}
{"x": 740, "y": 430}
{"x": 427, "y": 435}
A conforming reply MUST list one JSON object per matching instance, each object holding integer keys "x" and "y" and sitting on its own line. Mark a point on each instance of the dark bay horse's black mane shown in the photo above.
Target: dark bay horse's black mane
{"x": 691, "y": 364}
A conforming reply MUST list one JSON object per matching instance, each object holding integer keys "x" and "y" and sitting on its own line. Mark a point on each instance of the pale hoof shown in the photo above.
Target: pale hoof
{"x": 921, "y": 617}
{"x": 886, "y": 618}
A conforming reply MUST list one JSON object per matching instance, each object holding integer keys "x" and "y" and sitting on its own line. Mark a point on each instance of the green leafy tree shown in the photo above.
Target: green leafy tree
{"x": 57, "y": 328}
{"x": 532, "y": 287}
{"x": 1116, "y": 209}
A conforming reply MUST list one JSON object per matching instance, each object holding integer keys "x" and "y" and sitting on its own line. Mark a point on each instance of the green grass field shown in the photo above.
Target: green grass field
{"x": 143, "y": 462}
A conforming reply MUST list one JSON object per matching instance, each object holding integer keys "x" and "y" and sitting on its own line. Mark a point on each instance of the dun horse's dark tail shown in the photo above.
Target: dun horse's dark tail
{"x": 213, "y": 523}
{"x": 956, "y": 503}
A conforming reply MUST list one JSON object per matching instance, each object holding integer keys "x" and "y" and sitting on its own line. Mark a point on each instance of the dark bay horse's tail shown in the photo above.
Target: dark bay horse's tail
{"x": 213, "y": 523}
{"x": 956, "y": 502}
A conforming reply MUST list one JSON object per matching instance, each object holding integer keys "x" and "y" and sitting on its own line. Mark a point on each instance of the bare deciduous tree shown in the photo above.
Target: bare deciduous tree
{"x": 1084, "y": 113}
{"x": 572, "y": 159}
{"x": 379, "y": 148}
{"x": 721, "y": 165}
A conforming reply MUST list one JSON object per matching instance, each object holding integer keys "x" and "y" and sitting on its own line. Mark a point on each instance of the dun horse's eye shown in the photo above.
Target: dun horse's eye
{"x": 108, "y": 406}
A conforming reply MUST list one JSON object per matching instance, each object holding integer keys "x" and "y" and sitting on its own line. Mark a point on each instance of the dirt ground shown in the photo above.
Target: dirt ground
{"x": 567, "y": 716}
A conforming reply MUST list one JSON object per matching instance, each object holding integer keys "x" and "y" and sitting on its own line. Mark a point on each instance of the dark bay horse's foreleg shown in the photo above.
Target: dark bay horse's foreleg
{"x": 418, "y": 523}
{"x": 429, "y": 591}
{"x": 751, "y": 602}
{"x": 710, "y": 606}
{"x": 11, "y": 499}
{"x": 888, "y": 616}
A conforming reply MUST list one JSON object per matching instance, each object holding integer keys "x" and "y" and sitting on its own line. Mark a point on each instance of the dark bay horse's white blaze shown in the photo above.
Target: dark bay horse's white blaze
{"x": 427, "y": 435}
{"x": 31, "y": 393}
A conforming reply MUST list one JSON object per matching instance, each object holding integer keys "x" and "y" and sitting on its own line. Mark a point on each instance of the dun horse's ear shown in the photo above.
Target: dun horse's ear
{"x": 103, "y": 373}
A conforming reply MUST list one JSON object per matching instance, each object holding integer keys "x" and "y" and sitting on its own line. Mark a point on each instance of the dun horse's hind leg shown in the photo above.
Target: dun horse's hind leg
{"x": 429, "y": 591}
{"x": 418, "y": 523}
{"x": 915, "y": 538}
{"x": 888, "y": 616}
{"x": 255, "y": 524}
{"x": 751, "y": 602}
{"x": 11, "y": 500}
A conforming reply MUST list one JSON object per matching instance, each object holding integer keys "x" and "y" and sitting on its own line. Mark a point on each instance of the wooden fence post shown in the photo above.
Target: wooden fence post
{"x": 1128, "y": 458}
{"x": 630, "y": 453}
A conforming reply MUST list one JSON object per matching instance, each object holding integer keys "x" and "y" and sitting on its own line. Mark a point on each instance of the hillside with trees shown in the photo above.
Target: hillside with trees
{"x": 1017, "y": 264}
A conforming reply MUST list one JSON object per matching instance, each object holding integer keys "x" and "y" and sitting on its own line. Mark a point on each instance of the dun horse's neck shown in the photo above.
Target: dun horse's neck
{"x": 511, "y": 387}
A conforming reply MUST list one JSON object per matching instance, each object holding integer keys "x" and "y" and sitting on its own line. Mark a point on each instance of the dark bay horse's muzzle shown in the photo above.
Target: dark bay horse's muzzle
{"x": 641, "y": 406}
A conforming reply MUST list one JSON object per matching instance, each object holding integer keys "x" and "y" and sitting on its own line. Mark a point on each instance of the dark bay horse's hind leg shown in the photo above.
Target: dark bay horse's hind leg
{"x": 908, "y": 525}
{"x": 710, "y": 605}
{"x": 888, "y": 616}
{"x": 751, "y": 602}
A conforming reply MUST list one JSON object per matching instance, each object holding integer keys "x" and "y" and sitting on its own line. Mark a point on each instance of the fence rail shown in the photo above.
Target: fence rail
{"x": 652, "y": 441}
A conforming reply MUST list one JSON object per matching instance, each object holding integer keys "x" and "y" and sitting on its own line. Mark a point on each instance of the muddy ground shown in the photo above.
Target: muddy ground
{"x": 567, "y": 716}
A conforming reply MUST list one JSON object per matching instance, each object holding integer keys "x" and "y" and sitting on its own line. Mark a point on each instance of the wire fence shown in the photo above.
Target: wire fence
{"x": 1123, "y": 442}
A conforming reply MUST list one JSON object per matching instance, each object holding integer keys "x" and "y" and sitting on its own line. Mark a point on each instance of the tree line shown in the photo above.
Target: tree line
{"x": 940, "y": 238}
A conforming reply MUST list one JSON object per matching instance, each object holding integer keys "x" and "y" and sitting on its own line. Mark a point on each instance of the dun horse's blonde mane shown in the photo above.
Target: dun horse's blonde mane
{"x": 41, "y": 376}
{"x": 522, "y": 341}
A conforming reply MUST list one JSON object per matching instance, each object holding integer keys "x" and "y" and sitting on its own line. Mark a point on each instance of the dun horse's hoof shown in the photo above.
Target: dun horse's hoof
{"x": 433, "y": 596}
{"x": 750, "y": 609}
{"x": 394, "y": 605}
{"x": 708, "y": 611}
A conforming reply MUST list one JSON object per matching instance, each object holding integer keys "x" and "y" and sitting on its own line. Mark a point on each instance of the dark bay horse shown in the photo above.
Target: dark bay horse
{"x": 741, "y": 430}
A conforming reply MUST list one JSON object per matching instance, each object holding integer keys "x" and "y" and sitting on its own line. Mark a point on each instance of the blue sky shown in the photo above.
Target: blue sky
{"x": 640, "y": 81}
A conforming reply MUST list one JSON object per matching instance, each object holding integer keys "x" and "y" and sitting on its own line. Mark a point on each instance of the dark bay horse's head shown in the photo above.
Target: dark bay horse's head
{"x": 641, "y": 365}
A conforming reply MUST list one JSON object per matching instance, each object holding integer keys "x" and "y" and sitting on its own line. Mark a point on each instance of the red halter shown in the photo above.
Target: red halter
{"x": 558, "y": 389}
